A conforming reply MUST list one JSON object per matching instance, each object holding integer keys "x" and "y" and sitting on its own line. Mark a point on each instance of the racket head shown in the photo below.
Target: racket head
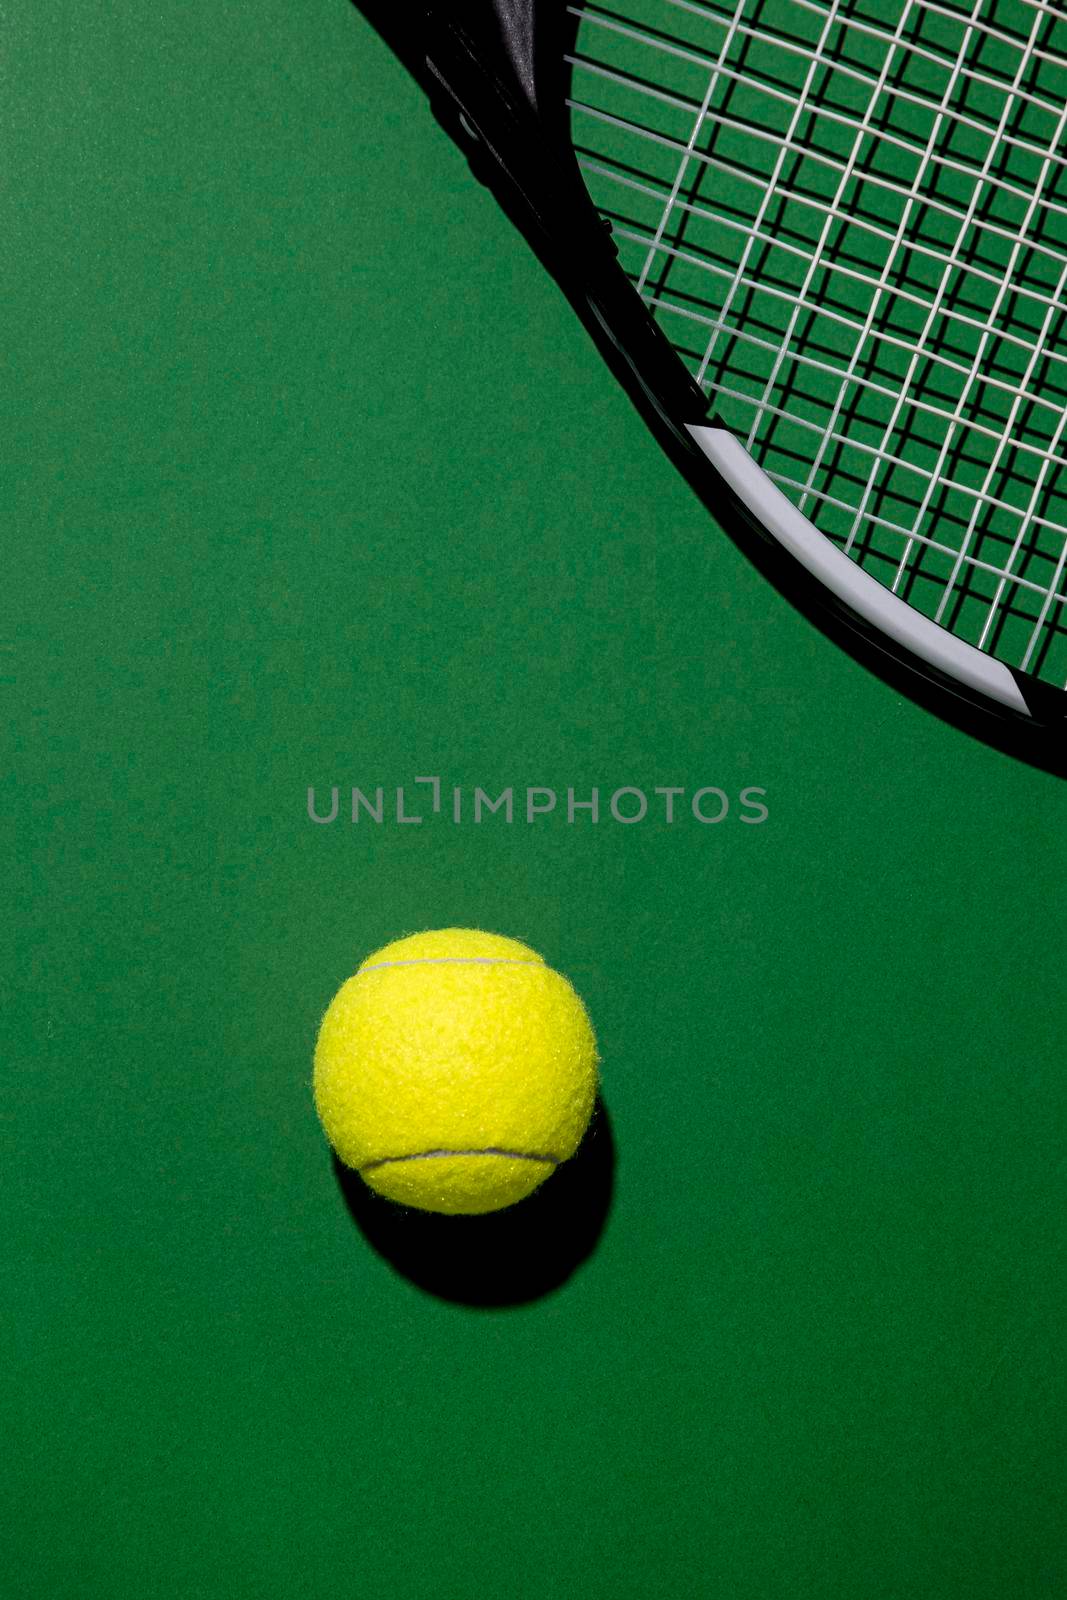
{"x": 850, "y": 220}
{"x": 507, "y": 91}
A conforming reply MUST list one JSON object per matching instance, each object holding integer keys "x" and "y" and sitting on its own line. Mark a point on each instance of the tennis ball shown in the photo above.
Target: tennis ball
{"x": 455, "y": 1071}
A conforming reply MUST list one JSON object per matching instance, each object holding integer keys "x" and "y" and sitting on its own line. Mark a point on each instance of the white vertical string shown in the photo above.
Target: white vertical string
{"x": 834, "y": 216}
{"x": 951, "y": 260}
{"x": 772, "y": 185}
{"x": 683, "y": 164}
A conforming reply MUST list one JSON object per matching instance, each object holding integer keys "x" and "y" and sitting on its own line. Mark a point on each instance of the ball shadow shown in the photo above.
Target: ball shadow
{"x": 506, "y": 1258}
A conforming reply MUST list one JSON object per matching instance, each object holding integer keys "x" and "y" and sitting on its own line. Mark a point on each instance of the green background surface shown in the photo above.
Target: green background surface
{"x": 311, "y": 479}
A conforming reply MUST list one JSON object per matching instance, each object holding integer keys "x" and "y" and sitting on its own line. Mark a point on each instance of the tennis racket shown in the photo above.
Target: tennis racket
{"x": 824, "y": 245}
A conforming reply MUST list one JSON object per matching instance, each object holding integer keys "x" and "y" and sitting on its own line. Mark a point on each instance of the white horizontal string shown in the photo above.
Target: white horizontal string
{"x": 1037, "y": 453}
{"x": 885, "y": 457}
{"x": 841, "y": 319}
{"x": 876, "y": 181}
{"x": 832, "y": 267}
{"x": 977, "y": 563}
{"x": 838, "y": 69}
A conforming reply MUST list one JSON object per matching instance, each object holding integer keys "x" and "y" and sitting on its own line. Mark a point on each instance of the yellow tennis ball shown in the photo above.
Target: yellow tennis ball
{"x": 455, "y": 1071}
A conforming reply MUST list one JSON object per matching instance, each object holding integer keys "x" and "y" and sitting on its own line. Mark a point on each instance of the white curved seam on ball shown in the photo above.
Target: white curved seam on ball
{"x": 423, "y": 1155}
{"x": 454, "y": 961}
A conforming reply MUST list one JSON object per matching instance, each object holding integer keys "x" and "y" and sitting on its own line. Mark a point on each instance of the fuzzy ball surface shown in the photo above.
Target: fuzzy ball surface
{"x": 455, "y": 1071}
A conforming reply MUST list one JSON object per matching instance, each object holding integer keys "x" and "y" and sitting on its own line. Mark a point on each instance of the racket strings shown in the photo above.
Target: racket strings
{"x": 937, "y": 475}
{"x": 850, "y": 217}
{"x": 953, "y": 312}
{"x": 806, "y": 357}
